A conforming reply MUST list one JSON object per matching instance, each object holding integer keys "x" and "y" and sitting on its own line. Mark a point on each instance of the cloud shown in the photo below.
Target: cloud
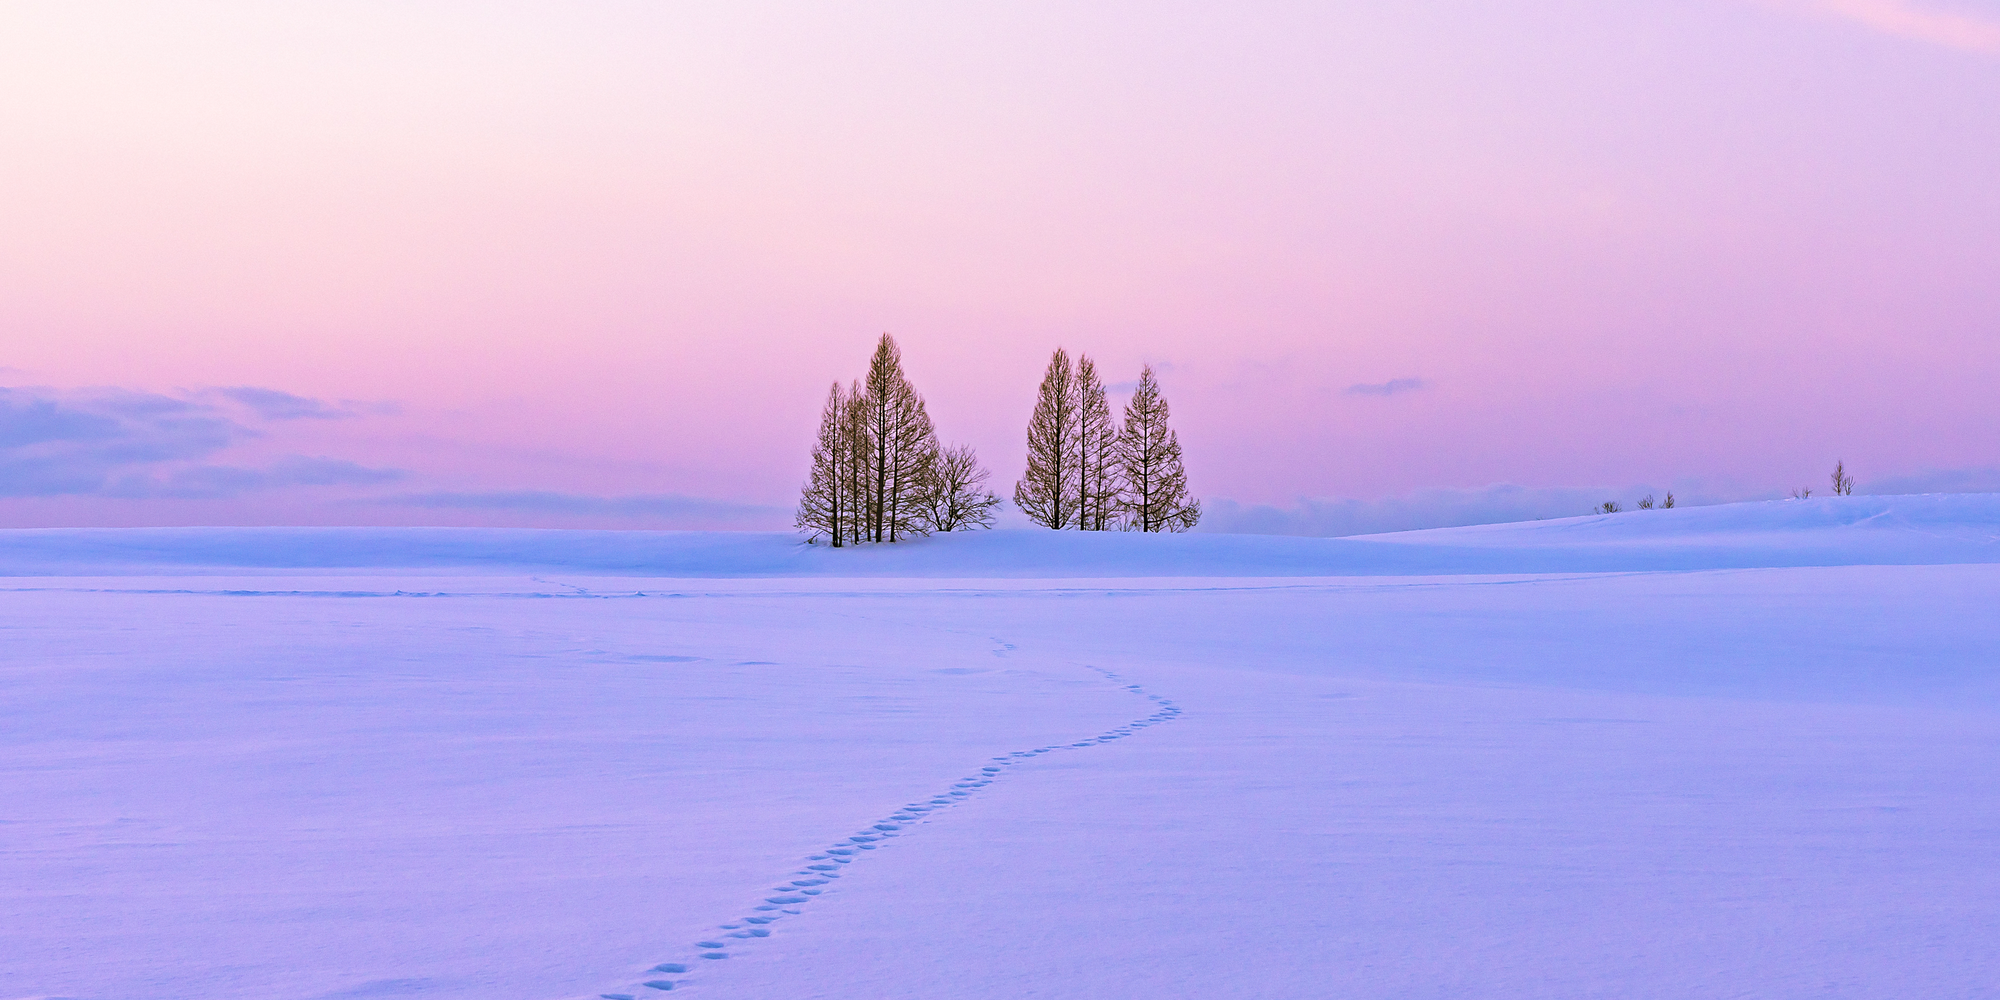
{"x": 1921, "y": 22}
{"x": 55, "y": 443}
{"x": 652, "y": 506}
{"x": 1389, "y": 388}
{"x": 274, "y": 404}
{"x": 125, "y": 444}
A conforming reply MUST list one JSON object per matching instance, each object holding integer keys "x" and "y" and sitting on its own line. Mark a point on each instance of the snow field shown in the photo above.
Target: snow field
{"x": 252, "y": 795}
{"x": 1760, "y": 773}
{"x": 1350, "y": 809}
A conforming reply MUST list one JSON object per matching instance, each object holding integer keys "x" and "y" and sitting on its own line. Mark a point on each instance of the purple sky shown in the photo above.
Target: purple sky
{"x": 595, "y": 263}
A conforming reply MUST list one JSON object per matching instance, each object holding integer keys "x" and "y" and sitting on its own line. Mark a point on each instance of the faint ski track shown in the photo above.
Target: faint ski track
{"x": 821, "y": 871}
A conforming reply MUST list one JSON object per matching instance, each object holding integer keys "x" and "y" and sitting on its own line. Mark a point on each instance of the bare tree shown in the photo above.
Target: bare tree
{"x": 913, "y": 469}
{"x": 1802, "y": 493}
{"x": 874, "y": 461}
{"x": 1646, "y": 502}
{"x": 956, "y": 498}
{"x": 1155, "y": 494}
{"x": 859, "y": 446}
{"x": 825, "y": 505}
{"x": 904, "y": 446}
{"x": 1843, "y": 484}
{"x": 1047, "y": 491}
{"x": 1096, "y": 445}
{"x": 1668, "y": 503}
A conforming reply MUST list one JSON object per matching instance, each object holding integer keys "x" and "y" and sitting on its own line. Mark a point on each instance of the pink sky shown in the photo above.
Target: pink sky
{"x": 617, "y": 250}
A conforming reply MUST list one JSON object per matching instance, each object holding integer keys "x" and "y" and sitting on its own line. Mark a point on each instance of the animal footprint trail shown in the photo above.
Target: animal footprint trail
{"x": 820, "y": 872}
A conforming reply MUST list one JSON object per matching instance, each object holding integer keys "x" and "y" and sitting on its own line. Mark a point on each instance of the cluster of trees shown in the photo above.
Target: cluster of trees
{"x": 879, "y": 473}
{"x": 1843, "y": 484}
{"x": 1085, "y": 472}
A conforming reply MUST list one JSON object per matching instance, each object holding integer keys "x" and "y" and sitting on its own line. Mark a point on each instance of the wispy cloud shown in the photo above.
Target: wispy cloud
{"x": 55, "y": 443}
{"x": 1919, "y": 21}
{"x": 1389, "y": 388}
{"x": 274, "y": 404}
{"x": 126, "y": 444}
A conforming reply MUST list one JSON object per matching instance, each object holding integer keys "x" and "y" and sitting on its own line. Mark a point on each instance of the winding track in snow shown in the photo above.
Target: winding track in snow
{"x": 822, "y": 871}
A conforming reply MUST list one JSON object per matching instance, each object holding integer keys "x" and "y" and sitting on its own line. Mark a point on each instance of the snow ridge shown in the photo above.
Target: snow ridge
{"x": 820, "y": 873}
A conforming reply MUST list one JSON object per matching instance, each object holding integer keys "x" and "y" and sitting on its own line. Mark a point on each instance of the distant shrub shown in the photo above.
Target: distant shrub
{"x": 1646, "y": 503}
{"x": 1668, "y": 502}
{"x": 1609, "y": 507}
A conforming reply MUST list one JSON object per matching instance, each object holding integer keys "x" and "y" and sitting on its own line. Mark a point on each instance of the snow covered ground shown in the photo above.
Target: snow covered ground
{"x": 1709, "y": 752}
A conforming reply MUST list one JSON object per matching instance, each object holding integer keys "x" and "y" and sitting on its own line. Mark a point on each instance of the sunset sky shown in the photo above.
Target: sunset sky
{"x": 594, "y": 264}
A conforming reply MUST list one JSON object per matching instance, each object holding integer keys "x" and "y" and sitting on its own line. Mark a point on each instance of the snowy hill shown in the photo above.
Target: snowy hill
{"x": 1907, "y": 530}
{"x": 1926, "y": 529}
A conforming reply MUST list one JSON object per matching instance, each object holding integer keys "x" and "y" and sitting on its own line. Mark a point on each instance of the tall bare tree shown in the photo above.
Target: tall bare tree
{"x": 826, "y": 505}
{"x": 957, "y": 498}
{"x": 904, "y": 445}
{"x": 878, "y": 473}
{"x": 1096, "y": 458}
{"x": 859, "y": 447}
{"x": 914, "y": 469}
{"x": 1047, "y": 491}
{"x": 1843, "y": 484}
{"x": 1149, "y": 464}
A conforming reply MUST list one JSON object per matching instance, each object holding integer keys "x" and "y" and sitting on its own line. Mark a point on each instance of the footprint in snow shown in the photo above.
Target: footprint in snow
{"x": 808, "y": 887}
